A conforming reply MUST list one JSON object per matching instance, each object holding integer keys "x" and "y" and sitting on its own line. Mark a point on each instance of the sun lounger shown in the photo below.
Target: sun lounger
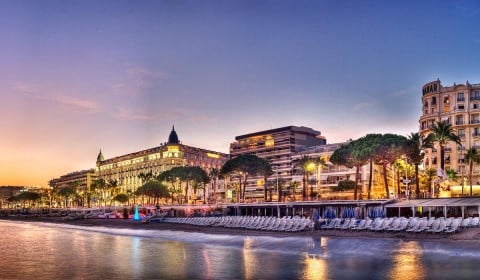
{"x": 360, "y": 225}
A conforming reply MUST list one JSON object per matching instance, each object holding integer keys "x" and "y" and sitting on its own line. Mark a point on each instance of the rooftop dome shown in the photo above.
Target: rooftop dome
{"x": 100, "y": 156}
{"x": 173, "y": 137}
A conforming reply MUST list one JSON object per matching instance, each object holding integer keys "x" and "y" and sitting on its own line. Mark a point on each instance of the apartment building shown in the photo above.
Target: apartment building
{"x": 79, "y": 179}
{"x": 277, "y": 146}
{"x": 458, "y": 105}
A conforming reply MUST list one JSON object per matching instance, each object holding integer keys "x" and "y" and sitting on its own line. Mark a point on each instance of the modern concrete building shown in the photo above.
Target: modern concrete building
{"x": 277, "y": 146}
{"x": 79, "y": 179}
{"x": 458, "y": 105}
{"x": 125, "y": 169}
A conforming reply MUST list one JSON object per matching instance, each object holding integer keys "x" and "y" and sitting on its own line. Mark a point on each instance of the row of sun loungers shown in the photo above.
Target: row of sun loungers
{"x": 285, "y": 224}
{"x": 402, "y": 224}
{"x": 289, "y": 224}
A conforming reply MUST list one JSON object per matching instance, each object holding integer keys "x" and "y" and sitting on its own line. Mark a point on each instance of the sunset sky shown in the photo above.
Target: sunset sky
{"x": 80, "y": 76}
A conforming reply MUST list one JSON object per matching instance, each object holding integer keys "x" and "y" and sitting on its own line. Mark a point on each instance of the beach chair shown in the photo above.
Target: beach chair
{"x": 413, "y": 225}
{"x": 454, "y": 227}
{"x": 360, "y": 225}
{"x": 435, "y": 226}
{"x": 329, "y": 224}
{"x": 422, "y": 226}
{"x": 344, "y": 223}
{"x": 466, "y": 222}
{"x": 352, "y": 223}
{"x": 394, "y": 225}
{"x": 402, "y": 226}
{"x": 475, "y": 222}
{"x": 367, "y": 225}
{"x": 386, "y": 223}
{"x": 441, "y": 227}
{"x": 376, "y": 224}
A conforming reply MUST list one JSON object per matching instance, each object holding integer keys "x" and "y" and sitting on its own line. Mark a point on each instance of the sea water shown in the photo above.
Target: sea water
{"x": 60, "y": 251}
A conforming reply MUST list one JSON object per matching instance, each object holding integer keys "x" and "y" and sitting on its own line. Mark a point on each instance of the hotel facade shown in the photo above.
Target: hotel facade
{"x": 458, "y": 105}
{"x": 126, "y": 169}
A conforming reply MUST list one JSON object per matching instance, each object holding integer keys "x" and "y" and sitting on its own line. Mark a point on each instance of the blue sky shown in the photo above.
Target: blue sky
{"x": 77, "y": 76}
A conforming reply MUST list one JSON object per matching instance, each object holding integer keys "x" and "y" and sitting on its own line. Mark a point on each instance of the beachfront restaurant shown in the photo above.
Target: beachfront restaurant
{"x": 435, "y": 207}
{"x": 327, "y": 209}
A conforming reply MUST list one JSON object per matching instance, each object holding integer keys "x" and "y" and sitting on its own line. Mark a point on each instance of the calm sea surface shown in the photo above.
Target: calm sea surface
{"x": 51, "y": 251}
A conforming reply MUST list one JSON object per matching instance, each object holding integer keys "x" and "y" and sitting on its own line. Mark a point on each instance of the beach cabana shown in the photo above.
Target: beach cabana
{"x": 458, "y": 207}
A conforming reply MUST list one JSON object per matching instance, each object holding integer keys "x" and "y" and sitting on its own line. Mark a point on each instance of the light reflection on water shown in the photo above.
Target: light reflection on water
{"x": 407, "y": 261}
{"x": 47, "y": 251}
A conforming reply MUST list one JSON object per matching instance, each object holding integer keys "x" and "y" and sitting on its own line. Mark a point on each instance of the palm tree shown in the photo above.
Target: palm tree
{"x": 429, "y": 174}
{"x": 112, "y": 186}
{"x": 302, "y": 165}
{"x": 416, "y": 145}
{"x": 398, "y": 166}
{"x": 307, "y": 165}
{"x": 293, "y": 188}
{"x": 472, "y": 156}
{"x": 265, "y": 169}
{"x": 145, "y": 178}
{"x": 100, "y": 185}
{"x": 442, "y": 134}
{"x": 214, "y": 174}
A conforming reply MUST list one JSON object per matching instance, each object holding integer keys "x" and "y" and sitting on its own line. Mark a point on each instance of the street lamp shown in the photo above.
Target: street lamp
{"x": 277, "y": 188}
{"x": 319, "y": 177}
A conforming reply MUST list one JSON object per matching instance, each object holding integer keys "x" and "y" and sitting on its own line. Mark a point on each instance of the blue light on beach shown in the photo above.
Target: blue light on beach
{"x": 136, "y": 216}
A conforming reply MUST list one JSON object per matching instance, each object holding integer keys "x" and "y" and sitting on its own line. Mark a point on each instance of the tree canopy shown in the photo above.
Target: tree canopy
{"x": 244, "y": 166}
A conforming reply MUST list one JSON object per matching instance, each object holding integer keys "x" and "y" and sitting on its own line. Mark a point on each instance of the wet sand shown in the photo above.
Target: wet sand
{"x": 470, "y": 234}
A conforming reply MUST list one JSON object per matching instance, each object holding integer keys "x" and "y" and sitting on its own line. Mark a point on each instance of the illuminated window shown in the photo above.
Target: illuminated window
{"x": 269, "y": 142}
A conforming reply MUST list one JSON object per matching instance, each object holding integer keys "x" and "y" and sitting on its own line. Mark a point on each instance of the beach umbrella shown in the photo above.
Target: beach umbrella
{"x": 382, "y": 213}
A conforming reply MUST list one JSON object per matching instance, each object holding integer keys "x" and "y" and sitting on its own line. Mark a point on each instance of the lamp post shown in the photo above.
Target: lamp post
{"x": 278, "y": 189}
{"x": 406, "y": 181}
{"x": 319, "y": 178}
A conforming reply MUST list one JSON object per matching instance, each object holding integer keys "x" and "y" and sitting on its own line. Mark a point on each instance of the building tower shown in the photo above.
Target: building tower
{"x": 458, "y": 105}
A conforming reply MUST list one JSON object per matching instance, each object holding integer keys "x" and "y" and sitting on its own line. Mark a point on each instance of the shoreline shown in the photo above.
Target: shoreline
{"x": 468, "y": 234}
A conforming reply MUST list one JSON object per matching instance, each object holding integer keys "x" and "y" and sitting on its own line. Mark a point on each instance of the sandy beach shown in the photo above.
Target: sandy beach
{"x": 470, "y": 234}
